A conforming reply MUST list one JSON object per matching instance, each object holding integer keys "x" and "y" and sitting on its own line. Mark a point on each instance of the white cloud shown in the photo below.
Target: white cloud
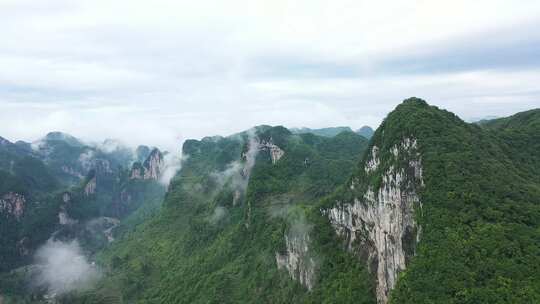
{"x": 62, "y": 268}
{"x": 160, "y": 72}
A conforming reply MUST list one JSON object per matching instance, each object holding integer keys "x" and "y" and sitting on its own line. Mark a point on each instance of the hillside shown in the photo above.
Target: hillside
{"x": 448, "y": 213}
{"x": 63, "y": 190}
{"x": 427, "y": 216}
{"x": 227, "y": 217}
{"x": 430, "y": 210}
{"x": 326, "y": 132}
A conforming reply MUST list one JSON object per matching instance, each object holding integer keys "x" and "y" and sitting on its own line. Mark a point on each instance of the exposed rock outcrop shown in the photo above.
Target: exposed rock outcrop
{"x": 275, "y": 152}
{"x": 72, "y": 172}
{"x": 297, "y": 260}
{"x": 373, "y": 163}
{"x": 380, "y": 225}
{"x": 66, "y": 197}
{"x": 90, "y": 187}
{"x": 136, "y": 172}
{"x": 152, "y": 168}
{"x": 154, "y": 165}
{"x": 13, "y": 204}
{"x": 64, "y": 219}
{"x": 103, "y": 225}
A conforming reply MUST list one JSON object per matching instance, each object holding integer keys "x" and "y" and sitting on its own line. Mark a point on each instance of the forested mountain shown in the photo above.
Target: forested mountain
{"x": 364, "y": 131}
{"x": 61, "y": 189}
{"x": 466, "y": 228}
{"x": 430, "y": 210}
{"x": 228, "y": 213}
{"x": 327, "y": 132}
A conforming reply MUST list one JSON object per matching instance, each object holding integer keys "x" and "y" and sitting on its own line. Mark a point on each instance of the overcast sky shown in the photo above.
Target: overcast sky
{"x": 158, "y": 72}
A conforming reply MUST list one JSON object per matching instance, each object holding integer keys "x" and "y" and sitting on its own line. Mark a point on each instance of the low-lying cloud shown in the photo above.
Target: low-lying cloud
{"x": 237, "y": 173}
{"x": 173, "y": 163}
{"x": 62, "y": 267}
{"x": 219, "y": 214}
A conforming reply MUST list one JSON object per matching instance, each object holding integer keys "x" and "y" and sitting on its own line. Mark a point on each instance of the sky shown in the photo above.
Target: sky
{"x": 159, "y": 72}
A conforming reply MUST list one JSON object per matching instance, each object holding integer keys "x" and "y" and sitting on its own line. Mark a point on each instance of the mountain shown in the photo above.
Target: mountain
{"x": 425, "y": 216}
{"x": 480, "y": 120}
{"x": 443, "y": 211}
{"x": 327, "y": 132}
{"x": 61, "y": 185}
{"x": 71, "y": 159}
{"x": 62, "y": 137}
{"x": 366, "y": 131}
{"x": 151, "y": 168}
{"x": 27, "y": 204}
{"x": 430, "y": 210}
{"x": 229, "y": 211}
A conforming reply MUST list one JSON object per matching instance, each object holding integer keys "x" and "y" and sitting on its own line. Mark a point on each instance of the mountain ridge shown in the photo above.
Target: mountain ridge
{"x": 430, "y": 209}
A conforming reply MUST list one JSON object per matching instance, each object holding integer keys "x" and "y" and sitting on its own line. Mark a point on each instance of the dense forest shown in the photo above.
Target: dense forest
{"x": 430, "y": 209}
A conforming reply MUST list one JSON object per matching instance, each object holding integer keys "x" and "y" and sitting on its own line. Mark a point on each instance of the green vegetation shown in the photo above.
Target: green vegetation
{"x": 39, "y": 181}
{"x": 326, "y": 132}
{"x": 228, "y": 212}
{"x": 481, "y": 224}
{"x": 30, "y": 178}
{"x": 207, "y": 247}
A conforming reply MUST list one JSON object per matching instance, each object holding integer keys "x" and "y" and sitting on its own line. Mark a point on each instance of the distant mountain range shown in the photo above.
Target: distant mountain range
{"x": 365, "y": 131}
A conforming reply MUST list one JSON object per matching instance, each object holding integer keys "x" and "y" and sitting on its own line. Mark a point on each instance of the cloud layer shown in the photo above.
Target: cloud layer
{"x": 161, "y": 72}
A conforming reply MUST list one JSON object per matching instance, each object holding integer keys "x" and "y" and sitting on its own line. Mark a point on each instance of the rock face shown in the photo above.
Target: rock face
{"x": 72, "y": 172}
{"x": 154, "y": 165}
{"x": 136, "y": 172}
{"x": 380, "y": 225}
{"x": 152, "y": 168}
{"x": 13, "y": 204}
{"x": 275, "y": 152}
{"x": 104, "y": 226}
{"x": 296, "y": 259}
{"x": 63, "y": 217}
{"x": 373, "y": 163}
{"x": 90, "y": 187}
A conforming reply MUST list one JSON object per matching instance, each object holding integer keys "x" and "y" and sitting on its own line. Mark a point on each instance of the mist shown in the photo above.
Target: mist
{"x": 294, "y": 216}
{"x": 62, "y": 268}
{"x": 219, "y": 214}
{"x": 173, "y": 163}
{"x": 237, "y": 173}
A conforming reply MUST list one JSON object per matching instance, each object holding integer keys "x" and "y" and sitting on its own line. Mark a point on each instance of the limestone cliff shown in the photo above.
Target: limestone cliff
{"x": 154, "y": 165}
{"x": 275, "y": 152}
{"x": 297, "y": 259}
{"x": 90, "y": 187}
{"x": 379, "y": 223}
{"x": 152, "y": 168}
{"x": 13, "y": 204}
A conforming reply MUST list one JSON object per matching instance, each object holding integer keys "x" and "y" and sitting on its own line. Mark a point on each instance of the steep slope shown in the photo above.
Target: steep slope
{"x": 71, "y": 160}
{"x": 235, "y": 227}
{"x": 430, "y": 210}
{"x": 443, "y": 212}
{"x": 27, "y": 204}
{"x": 38, "y": 202}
